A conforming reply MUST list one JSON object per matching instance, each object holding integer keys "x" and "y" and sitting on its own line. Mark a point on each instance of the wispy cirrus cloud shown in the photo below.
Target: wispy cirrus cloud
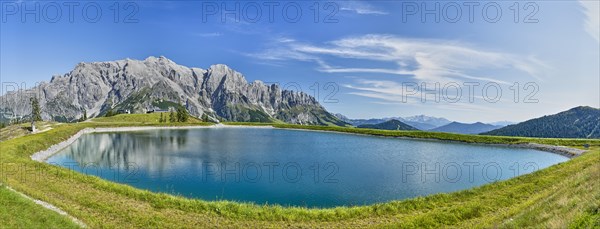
{"x": 420, "y": 59}
{"x": 592, "y": 21}
{"x": 360, "y": 7}
{"x": 390, "y": 93}
{"x": 398, "y": 93}
{"x": 214, "y": 34}
{"x": 411, "y": 60}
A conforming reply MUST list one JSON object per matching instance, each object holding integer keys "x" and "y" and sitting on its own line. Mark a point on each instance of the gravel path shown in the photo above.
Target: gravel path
{"x": 562, "y": 150}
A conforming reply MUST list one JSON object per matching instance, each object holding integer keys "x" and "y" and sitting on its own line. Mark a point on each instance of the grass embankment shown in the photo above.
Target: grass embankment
{"x": 18, "y": 212}
{"x": 560, "y": 196}
{"x": 248, "y": 123}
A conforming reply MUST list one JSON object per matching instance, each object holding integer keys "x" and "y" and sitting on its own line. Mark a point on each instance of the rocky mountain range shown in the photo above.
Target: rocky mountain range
{"x": 159, "y": 83}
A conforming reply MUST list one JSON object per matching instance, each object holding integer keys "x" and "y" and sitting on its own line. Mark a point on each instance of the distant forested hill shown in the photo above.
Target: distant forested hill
{"x": 579, "y": 122}
{"x": 465, "y": 128}
{"x": 389, "y": 125}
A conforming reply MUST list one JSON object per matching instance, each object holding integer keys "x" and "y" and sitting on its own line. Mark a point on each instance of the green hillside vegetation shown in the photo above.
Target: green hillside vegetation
{"x": 563, "y": 195}
{"x": 465, "y": 128}
{"x": 389, "y": 125}
{"x": 22, "y": 129}
{"x": 18, "y": 212}
{"x": 152, "y": 118}
{"x": 132, "y": 103}
{"x": 579, "y": 122}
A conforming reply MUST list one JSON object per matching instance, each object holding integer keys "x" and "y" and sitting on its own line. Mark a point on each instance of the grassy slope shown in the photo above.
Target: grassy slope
{"x": 18, "y": 130}
{"x": 19, "y": 212}
{"x": 134, "y": 119}
{"x": 558, "y": 196}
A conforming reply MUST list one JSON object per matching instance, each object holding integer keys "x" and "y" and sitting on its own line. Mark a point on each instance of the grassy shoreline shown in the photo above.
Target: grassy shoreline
{"x": 530, "y": 200}
{"x": 529, "y": 143}
{"x": 30, "y": 215}
{"x": 467, "y": 138}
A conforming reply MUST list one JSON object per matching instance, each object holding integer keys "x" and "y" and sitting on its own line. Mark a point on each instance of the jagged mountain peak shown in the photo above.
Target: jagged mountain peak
{"x": 154, "y": 59}
{"x": 222, "y": 70}
{"x": 220, "y": 67}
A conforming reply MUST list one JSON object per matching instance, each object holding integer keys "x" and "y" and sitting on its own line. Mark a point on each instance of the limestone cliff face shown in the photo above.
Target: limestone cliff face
{"x": 219, "y": 91}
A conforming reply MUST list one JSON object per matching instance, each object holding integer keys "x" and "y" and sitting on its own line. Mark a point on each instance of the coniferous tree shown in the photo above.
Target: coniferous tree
{"x": 172, "y": 117}
{"x": 110, "y": 113}
{"x": 182, "y": 115}
{"x": 36, "y": 111}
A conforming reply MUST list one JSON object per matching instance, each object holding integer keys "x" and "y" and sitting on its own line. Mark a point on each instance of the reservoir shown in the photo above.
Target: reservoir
{"x": 293, "y": 167}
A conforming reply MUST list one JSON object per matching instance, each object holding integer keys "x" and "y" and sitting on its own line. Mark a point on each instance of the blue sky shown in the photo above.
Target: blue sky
{"x": 366, "y": 58}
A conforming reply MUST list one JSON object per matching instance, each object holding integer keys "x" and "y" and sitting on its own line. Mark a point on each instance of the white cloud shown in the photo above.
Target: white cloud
{"x": 393, "y": 92}
{"x": 411, "y": 60}
{"x": 592, "y": 21}
{"x": 360, "y": 8}
{"x": 285, "y": 40}
{"x": 415, "y": 100}
{"x": 421, "y": 59}
{"x": 209, "y": 34}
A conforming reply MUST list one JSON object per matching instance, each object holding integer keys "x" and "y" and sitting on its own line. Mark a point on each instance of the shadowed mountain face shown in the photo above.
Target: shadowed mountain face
{"x": 465, "y": 128}
{"x": 219, "y": 92}
{"x": 579, "y": 122}
{"x": 389, "y": 125}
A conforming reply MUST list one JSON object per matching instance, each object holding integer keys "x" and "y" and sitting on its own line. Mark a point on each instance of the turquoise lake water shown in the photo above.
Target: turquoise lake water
{"x": 293, "y": 167}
